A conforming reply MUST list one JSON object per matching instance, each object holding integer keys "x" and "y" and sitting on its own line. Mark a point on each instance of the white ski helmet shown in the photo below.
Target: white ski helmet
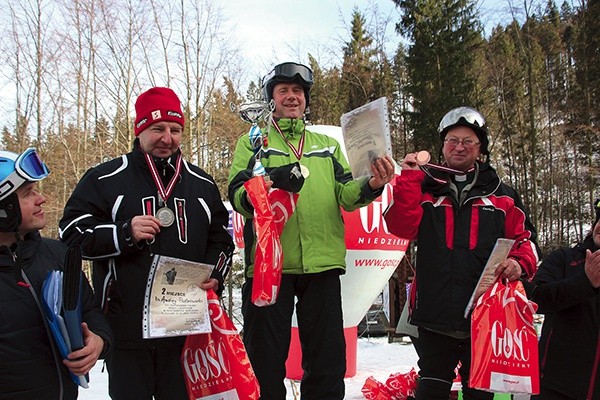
{"x": 466, "y": 116}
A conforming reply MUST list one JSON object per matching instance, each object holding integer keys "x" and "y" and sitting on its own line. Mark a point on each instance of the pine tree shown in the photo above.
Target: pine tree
{"x": 445, "y": 39}
{"x": 359, "y": 62}
{"x": 326, "y": 105}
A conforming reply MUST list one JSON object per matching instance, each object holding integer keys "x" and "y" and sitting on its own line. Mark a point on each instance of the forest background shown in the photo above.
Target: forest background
{"x": 75, "y": 68}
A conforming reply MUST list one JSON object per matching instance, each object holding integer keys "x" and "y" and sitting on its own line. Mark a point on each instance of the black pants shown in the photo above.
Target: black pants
{"x": 139, "y": 374}
{"x": 438, "y": 357}
{"x": 267, "y": 334}
{"x": 549, "y": 394}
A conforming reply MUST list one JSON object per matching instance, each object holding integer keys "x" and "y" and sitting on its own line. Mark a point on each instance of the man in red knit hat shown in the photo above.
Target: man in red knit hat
{"x": 127, "y": 210}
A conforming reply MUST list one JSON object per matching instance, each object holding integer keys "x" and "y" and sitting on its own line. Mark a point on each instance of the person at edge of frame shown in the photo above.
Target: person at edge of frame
{"x": 566, "y": 288}
{"x": 31, "y": 365}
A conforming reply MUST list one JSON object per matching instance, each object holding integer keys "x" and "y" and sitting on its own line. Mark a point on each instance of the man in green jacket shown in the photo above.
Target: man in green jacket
{"x": 312, "y": 240}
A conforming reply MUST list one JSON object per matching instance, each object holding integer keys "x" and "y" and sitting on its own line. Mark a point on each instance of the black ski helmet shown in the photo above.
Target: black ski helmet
{"x": 466, "y": 116}
{"x": 285, "y": 73}
{"x": 16, "y": 170}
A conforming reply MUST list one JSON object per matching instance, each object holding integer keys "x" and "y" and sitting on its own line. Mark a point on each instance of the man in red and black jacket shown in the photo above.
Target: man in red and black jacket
{"x": 456, "y": 214}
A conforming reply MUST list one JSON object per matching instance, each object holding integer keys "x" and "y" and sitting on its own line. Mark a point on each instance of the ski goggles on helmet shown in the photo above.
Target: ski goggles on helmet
{"x": 289, "y": 71}
{"x": 30, "y": 166}
{"x": 15, "y": 171}
{"x": 461, "y": 115}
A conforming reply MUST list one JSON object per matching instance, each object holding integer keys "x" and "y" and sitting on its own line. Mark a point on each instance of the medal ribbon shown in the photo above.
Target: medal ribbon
{"x": 297, "y": 152}
{"x": 162, "y": 191}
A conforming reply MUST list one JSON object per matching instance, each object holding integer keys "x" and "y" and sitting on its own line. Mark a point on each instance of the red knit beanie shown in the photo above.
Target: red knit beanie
{"x": 157, "y": 104}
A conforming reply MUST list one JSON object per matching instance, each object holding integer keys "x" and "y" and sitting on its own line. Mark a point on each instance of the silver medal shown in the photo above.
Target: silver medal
{"x": 165, "y": 216}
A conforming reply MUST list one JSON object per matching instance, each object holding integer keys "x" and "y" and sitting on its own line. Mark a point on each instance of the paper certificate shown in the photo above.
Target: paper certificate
{"x": 487, "y": 278}
{"x": 174, "y": 304}
{"x": 366, "y": 134}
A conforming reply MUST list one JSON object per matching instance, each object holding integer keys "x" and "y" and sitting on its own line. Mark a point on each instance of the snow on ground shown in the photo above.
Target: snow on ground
{"x": 378, "y": 358}
{"x": 375, "y": 357}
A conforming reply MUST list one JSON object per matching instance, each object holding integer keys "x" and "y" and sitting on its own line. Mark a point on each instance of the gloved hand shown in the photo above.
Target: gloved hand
{"x": 287, "y": 177}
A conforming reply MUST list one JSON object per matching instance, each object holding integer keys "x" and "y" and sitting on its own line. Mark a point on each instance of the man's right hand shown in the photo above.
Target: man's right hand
{"x": 410, "y": 161}
{"x": 144, "y": 227}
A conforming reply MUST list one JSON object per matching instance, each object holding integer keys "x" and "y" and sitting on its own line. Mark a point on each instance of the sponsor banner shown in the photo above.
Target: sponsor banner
{"x": 367, "y": 272}
{"x": 235, "y": 227}
{"x": 366, "y": 228}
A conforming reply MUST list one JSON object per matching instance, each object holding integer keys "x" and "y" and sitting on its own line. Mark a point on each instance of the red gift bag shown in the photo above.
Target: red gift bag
{"x": 271, "y": 212}
{"x": 215, "y": 364}
{"x": 504, "y": 344}
{"x": 402, "y": 386}
{"x": 399, "y": 386}
{"x": 375, "y": 390}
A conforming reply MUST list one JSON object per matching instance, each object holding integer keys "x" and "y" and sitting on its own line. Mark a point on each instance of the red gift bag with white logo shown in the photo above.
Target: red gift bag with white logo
{"x": 504, "y": 344}
{"x": 215, "y": 365}
{"x": 272, "y": 209}
{"x": 403, "y": 385}
{"x": 399, "y": 386}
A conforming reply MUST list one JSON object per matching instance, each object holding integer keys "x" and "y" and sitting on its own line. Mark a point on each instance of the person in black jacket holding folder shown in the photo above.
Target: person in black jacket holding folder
{"x": 31, "y": 367}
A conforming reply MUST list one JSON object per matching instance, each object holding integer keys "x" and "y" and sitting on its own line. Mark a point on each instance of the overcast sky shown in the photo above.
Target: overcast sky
{"x": 275, "y": 31}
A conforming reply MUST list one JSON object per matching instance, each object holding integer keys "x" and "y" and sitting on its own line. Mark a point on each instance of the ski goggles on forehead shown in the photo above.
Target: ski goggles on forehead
{"x": 30, "y": 166}
{"x": 454, "y": 117}
{"x": 290, "y": 70}
{"x": 27, "y": 167}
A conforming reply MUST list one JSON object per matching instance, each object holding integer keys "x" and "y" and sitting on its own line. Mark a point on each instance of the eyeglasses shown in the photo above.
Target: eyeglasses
{"x": 289, "y": 70}
{"x": 466, "y": 143}
{"x": 454, "y": 116}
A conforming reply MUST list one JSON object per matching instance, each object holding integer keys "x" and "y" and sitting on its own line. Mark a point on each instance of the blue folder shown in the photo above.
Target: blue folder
{"x": 72, "y": 296}
{"x": 65, "y": 322}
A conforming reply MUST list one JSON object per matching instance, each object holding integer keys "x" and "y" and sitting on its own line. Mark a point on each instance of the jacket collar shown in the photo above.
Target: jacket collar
{"x": 487, "y": 182}
{"x": 140, "y": 157}
{"x": 291, "y": 127}
{"x": 25, "y": 250}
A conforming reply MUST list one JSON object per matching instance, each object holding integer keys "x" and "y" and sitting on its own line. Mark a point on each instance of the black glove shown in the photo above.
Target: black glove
{"x": 287, "y": 177}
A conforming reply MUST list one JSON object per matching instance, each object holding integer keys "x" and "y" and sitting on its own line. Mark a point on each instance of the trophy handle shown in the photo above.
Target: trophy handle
{"x": 252, "y": 112}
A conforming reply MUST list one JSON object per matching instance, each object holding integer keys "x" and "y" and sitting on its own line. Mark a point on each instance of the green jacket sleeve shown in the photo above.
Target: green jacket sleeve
{"x": 240, "y": 172}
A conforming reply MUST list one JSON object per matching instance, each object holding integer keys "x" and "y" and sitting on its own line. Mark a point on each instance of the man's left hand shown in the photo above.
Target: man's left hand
{"x": 509, "y": 269}
{"x": 211, "y": 283}
{"x": 383, "y": 172}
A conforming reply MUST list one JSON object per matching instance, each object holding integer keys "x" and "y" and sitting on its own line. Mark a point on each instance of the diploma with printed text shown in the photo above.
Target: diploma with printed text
{"x": 174, "y": 304}
{"x": 366, "y": 134}
{"x": 488, "y": 278}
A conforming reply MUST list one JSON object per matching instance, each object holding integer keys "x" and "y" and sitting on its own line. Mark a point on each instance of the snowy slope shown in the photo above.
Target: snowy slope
{"x": 375, "y": 356}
